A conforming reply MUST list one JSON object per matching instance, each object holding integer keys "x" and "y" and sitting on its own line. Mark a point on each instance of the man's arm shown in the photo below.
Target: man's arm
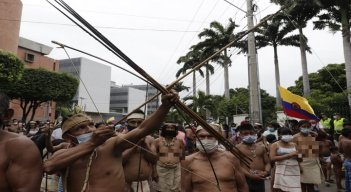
{"x": 150, "y": 146}
{"x": 186, "y": 176}
{"x": 267, "y": 162}
{"x": 25, "y": 168}
{"x": 64, "y": 157}
{"x": 148, "y": 125}
{"x": 240, "y": 177}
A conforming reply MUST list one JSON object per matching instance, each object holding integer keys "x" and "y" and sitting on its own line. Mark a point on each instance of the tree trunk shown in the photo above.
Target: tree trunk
{"x": 207, "y": 82}
{"x": 347, "y": 47}
{"x": 305, "y": 80}
{"x": 207, "y": 88}
{"x": 277, "y": 77}
{"x": 226, "y": 78}
{"x": 194, "y": 84}
{"x": 34, "y": 108}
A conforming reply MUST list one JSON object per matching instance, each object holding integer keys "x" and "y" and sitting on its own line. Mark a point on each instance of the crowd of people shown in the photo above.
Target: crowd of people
{"x": 152, "y": 155}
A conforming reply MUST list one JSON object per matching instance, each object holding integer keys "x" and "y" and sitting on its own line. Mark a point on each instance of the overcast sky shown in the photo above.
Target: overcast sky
{"x": 155, "y": 33}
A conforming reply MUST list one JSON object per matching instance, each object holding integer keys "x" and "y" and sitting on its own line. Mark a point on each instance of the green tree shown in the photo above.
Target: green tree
{"x": 239, "y": 104}
{"x": 38, "y": 86}
{"x": 200, "y": 103}
{"x": 179, "y": 87}
{"x": 276, "y": 33}
{"x": 216, "y": 37}
{"x": 328, "y": 87}
{"x": 11, "y": 67}
{"x": 190, "y": 60}
{"x": 337, "y": 18}
{"x": 298, "y": 15}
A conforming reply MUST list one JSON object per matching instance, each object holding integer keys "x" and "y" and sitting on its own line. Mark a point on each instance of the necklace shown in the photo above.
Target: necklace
{"x": 168, "y": 144}
{"x": 252, "y": 150}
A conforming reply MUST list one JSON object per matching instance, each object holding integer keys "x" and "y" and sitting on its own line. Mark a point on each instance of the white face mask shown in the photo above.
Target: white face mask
{"x": 287, "y": 138}
{"x": 209, "y": 144}
{"x": 84, "y": 138}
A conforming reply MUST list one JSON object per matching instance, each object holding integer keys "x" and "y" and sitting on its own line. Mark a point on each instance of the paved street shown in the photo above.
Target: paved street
{"x": 322, "y": 187}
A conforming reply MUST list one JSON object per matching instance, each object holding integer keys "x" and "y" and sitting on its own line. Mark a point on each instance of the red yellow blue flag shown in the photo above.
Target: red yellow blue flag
{"x": 296, "y": 106}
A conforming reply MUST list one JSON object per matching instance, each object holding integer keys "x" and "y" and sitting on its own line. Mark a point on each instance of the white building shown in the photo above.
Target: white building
{"x": 126, "y": 99}
{"x": 96, "y": 77}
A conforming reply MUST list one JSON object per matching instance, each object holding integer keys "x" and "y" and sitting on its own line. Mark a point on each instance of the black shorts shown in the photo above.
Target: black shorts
{"x": 255, "y": 185}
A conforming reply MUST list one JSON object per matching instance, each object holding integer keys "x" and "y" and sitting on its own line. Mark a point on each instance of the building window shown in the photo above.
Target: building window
{"x": 29, "y": 57}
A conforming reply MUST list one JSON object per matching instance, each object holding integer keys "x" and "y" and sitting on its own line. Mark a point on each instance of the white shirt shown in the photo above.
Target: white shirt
{"x": 56, "y": 134}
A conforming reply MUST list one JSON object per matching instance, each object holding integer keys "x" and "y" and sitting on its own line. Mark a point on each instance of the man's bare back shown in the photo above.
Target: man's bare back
{"x": 20, "y": 163}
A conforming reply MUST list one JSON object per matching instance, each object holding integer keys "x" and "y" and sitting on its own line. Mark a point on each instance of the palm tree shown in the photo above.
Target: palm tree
{"x": 200, "y": 103}
{"x": 337, "y": 19}
{"x": 276, "y": 33}
{"x": 298, "y": 15}
{"x": 216, "y": 37}
{"x": 206, "y": 51}
{"x": 191, "y": 59}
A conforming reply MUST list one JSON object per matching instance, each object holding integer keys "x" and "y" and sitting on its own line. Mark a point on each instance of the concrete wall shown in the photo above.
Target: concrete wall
{"x": 10, "y": 20}
{"x": 136, "y": 97}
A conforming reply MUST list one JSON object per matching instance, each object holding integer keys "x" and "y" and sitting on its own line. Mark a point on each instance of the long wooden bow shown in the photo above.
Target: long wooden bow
{"x": 87, "y": 27}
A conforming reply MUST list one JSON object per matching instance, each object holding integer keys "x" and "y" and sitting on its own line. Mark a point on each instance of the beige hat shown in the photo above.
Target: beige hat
{"x": 136, "y": 116}
{"x": 215, "y": 126}
{"x": 74, "y": 121}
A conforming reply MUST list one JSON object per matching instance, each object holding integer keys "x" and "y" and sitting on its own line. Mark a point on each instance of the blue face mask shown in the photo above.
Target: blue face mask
{"x": 305, "y": 131}
{"x": 249, "y": 139}
{"x": 84, "y": 138}
{"x": 271, "y": 129}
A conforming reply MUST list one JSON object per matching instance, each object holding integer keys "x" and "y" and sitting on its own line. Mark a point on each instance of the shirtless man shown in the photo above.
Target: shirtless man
{"x": 324, "y": 154}
{"x": 197, "y": 175}
{"x": 345, "y": 145}
{"x": 94, "y": 160}
{"x": 308, "y": 147}
{"x": 260, "y": 166}
{"x": 139, "y": 165}
{"x": 170, "y": 152}
{"x": 20, "y": 161}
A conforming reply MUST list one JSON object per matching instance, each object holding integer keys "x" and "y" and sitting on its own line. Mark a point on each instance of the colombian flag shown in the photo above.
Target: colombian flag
{"x": 296, "y": 106}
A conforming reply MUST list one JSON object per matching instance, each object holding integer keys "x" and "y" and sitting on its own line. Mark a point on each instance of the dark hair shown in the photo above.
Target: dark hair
{"x": 98, "y": 124}
{"x": 346, "y": 132}
{"x": 274, "y": 124}
{"x": 271, "y": 138}
{"x": 302, "y": 122}
{"x": 284, "y": 131}
{"x": 334, "y": 149}
{"x": 246, "y": 126}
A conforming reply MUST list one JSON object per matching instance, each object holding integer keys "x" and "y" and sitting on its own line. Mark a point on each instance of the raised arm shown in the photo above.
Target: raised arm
{"x": 64, "y": 157}
{"x": 148, "y": 125}
{"x": 24, "y": 172}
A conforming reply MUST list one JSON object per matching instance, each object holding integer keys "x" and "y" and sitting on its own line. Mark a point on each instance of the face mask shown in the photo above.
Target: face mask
{"x": 271, "y": 129}
{"x": 305, "y": 131}
{"x": 166, "y": 133}
{"x": 249, "y": 139}
{"x": 130, "y": 127}
{"x": 85, "y": 137}
{"x": 287, "y": 138}
{"x": 209, "y": 144}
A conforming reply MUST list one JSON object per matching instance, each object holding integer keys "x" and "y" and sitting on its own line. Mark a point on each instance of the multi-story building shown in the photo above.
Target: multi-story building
{"x": 93, "y": 93}
{"x": 34, "y": 56}
{"x": 126, "y": 98}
